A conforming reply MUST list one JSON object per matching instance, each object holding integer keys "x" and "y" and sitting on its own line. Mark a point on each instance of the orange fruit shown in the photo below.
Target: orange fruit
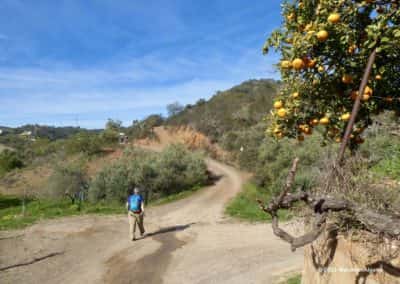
{"x": 322, "y": 35}
{"x": 334, "y": 18}
{"x": 285, "y": 64}
{"x": 298, "y": 64}
{"x": 324, "y": 121}
{"x": 314, "y": 122}
{"x": 347, "y": 79}
{"x": 282, "y": 112}
{"x": 352, "y": 49}
{"x": 345, "y": 116}
{"x": 378, "y": 77}
{"x": 278, "y": 104}
{"x": 354, "y": 95}
{"x": 311, "y": 63}
{"x": 321, "y": 68}
{"x": 307, "y": 130}
{"x": 368, "y": 91}
{"x": 295, "y": 95}
{"x": 365, "y": 98}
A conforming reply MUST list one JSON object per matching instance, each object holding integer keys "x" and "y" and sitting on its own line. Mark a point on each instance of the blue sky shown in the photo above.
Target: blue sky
{"x": 70, "y": 62}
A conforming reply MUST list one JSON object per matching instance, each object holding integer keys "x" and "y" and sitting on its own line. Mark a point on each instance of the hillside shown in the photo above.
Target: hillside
{"x": 238, "y": 108}
{"x": 42, "y": 131}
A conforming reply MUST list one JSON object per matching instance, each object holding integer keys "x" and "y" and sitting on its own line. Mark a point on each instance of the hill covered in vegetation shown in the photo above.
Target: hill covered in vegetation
{"x": 235, "y": 109}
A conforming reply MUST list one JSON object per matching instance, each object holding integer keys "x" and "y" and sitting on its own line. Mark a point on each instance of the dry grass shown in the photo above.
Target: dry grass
{"x": 355, "y": 182}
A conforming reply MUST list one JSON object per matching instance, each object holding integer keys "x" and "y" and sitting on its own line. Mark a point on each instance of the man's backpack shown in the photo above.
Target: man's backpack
{"x": 135, "y": 203}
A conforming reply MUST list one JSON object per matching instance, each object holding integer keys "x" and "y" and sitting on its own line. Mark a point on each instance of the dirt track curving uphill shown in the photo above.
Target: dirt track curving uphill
{"x": 188, "y": 241}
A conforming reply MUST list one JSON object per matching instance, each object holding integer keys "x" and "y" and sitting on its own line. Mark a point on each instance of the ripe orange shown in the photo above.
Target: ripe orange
{"x": 352, "y": 48}
{"x": 285, "y": 64}
{"x": 354, "y": 95}
{"x": 365, "y": 97}
{"x": 321, "y": 68}
{"x": 295, "y": 95}
{"x": 307, "y": 130}
{"x": 334, "y": 18}
{"x": 378, "y": 77}
{"x": 278, "y": 104}
{"x": 345, "y": 116}
{"x": 298, "y": 64}
{"x": 314, "y": 122}
{"x": 282, "y": 112}
{"x": 347, "y": 79}
{"x": 311, "y": 63}
{"x": 368, "y": 91}
{"x": 322, "y": 35}
{"x": 324, "y": 121}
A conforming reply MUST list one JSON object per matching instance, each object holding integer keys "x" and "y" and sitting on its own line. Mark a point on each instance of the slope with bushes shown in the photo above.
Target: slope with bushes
{"x": 235, "y": 109}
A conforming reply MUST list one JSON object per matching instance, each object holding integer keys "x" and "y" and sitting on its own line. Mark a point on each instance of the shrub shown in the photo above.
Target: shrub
{"x": 9, "y": 160}
{"x": 84, "y": 143}
{"x": 160, "y": 174}
{"x": 68, "y": 180}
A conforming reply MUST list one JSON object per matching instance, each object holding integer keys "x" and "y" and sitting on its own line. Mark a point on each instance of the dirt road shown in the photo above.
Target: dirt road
{"x": 189, "y": 241}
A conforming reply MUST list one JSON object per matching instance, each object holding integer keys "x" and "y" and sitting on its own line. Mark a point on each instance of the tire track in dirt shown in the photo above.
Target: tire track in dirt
{"x": 151, "y": 267}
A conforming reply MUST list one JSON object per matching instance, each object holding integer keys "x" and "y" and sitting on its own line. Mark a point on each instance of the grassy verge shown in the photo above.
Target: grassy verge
{"x": 296, "y": 279}
{"x": 174, "y": 197}
{"x": 11, "y": 216}
{"x": 244, "y": 205}
{"x": 389, "y": 167}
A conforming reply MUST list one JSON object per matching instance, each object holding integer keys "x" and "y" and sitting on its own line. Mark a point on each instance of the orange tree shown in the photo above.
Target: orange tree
{"x": 325, "y": 46}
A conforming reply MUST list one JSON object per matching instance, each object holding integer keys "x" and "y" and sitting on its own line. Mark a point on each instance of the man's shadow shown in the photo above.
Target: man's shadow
{"x": 169, "y": 230}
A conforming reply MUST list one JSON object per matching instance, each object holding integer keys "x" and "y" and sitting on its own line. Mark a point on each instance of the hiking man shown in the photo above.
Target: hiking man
{"x": 135, "y": 206}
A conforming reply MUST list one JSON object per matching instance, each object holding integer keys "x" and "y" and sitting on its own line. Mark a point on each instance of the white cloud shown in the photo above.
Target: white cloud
{"x": 142, "y": 85}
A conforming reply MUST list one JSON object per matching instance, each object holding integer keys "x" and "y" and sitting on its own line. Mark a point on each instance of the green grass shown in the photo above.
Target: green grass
{"x": 244, "y": 205}
{"x": 174, "y": 197}
{"x": 11, "y": 216}
{"x": 296, "y": 279}
{"x": 388, "y": 167}
{"x": 35, "y": 210}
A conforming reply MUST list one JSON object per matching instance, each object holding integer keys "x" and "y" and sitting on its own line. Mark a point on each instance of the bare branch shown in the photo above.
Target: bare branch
{"x": 375, "y": 222}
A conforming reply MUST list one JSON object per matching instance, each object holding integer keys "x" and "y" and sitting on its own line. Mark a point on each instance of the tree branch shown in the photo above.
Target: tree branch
{"x": 375, "y": 222}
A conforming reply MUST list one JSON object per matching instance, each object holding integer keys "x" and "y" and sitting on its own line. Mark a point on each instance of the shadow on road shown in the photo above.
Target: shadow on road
{"x": 170, "y": 229}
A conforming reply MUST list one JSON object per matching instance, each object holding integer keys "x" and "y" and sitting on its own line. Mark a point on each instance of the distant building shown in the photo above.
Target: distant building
{"x": 123, "y": 138}
{"x": 26, "y": 133}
